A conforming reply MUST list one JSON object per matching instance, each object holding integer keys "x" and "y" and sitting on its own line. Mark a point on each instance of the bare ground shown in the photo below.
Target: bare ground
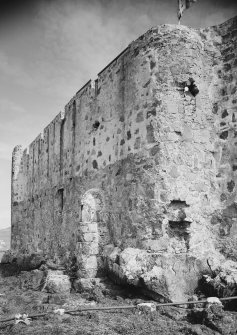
{"x": 166, "y": 320}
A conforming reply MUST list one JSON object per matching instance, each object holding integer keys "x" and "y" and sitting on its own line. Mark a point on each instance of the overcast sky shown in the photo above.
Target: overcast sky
{"x": 49, "y": 49}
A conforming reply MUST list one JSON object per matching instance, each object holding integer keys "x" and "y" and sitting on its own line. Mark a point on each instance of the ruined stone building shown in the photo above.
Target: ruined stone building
{"x": 138, "y": 176}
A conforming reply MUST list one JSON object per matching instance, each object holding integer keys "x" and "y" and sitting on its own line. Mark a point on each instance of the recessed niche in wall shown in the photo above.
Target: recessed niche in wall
{"x": 191, "y": 87}
{"x": 96, "y": 125}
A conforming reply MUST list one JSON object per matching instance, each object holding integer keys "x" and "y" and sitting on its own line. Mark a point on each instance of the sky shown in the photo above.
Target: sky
{"x": 51, "y": 48}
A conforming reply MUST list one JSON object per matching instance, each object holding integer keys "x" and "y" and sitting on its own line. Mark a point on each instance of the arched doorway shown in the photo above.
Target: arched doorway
{"x": 91, "y": 206}
{"x": 93, "y": 234}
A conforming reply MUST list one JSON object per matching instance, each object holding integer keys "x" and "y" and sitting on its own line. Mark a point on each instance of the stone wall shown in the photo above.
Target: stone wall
{"x": 137, "y": 162}
{"x": 224, "y": 100}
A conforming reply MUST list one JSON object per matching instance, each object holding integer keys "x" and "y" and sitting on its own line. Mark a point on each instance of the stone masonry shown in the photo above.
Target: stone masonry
{"x": 137, "y": 163}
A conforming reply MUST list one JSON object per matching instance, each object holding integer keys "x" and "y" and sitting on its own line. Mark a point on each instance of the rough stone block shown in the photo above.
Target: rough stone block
{"x": 57, "y": 282}
{"x": 85, "y": 284}
{"x": 31, "y": 279}
{"x": 160, "y": 273}
{"x": 90, "y": 227}
{"x": 8, "y": 257}
{"x": 147, "y": 307}
{"x": 90, "y": 237}
{"x": 88, "y": 248}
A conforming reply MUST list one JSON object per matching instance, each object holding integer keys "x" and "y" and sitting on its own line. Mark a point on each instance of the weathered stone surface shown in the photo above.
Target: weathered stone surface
{"x": 147, "y": 307}
{"x": 214, "y": 317}
{"x": 139, "y": 162}
{"x": 31, "y": 279}
{"x": 58, "y": 298}
{"x": 24, "y": 261}
{"x": 170, "y": 278}
{"x": 85, "y": 284}
{"x": 28, "y": 262}
{"x": 223, "y": 282}
{"x": 57, "y": 282}
{"x": 8, "y": 257}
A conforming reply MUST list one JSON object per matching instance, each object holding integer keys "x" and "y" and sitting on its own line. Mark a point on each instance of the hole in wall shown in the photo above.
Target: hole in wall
{"x": 191, "y": 87}
{"x": 95, "y": 164}
{"x": 224, "y": 114}
{"x": 179, "y": 229}
{"x": 60, "y": 198}
{"x": 118, "y": 172}
{"x": 96, "y": 125}
{"x": 178, "y": 203}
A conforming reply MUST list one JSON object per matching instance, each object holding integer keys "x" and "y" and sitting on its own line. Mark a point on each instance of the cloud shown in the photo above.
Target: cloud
{"x": 68, "y": 42}
{"x": 7, "y": 106}
{"x": 67, "y": 46}
{"x": 12, "y": 115}
{"x": 78, "y": 39}
{"x": 13, "y": 122}
{"x": 14, "y": 71}
{"x": 5, "y": 203}
{"x": 5, "y": 150}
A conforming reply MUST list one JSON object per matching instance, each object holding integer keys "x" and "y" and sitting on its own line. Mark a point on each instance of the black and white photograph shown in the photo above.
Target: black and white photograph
{"x": 118, "y": 167}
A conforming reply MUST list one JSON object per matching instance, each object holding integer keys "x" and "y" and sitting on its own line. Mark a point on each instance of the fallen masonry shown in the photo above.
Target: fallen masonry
{"x": 101, "y": 306}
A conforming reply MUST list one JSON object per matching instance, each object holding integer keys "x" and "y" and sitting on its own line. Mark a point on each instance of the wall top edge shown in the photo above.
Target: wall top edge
{"x": 156, "y": 30}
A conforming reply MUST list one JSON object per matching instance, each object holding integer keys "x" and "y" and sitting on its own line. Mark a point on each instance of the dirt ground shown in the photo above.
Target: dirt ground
{"x": 166, "y": 320}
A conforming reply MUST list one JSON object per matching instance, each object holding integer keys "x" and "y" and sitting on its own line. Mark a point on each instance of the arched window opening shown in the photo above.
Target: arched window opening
{"x": 91, "y": 206}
